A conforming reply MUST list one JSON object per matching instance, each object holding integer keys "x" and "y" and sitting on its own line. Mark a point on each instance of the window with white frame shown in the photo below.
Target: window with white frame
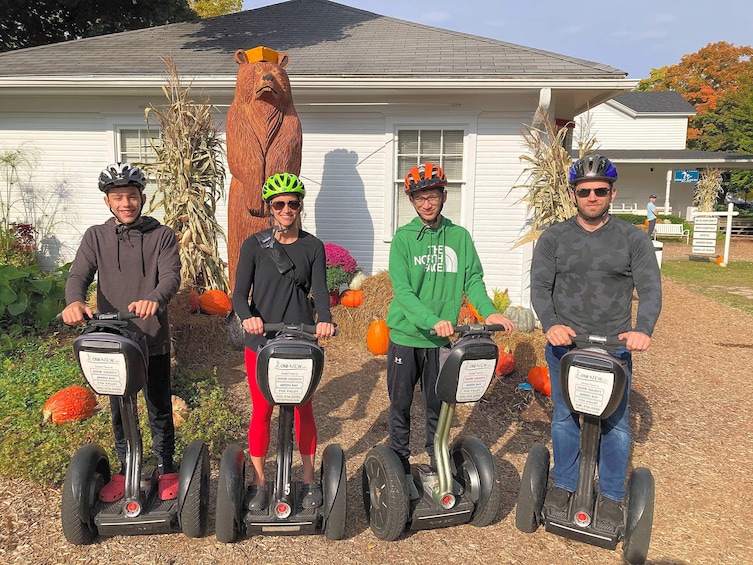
{"x": 136, "y": 145}
{"x": 443, "y": 147}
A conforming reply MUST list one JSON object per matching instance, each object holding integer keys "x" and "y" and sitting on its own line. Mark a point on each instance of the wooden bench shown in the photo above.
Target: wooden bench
{"x": 671, "y": 230}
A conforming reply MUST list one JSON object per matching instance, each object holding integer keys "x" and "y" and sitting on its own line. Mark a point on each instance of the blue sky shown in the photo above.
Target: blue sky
{"x": 634, "y": 36}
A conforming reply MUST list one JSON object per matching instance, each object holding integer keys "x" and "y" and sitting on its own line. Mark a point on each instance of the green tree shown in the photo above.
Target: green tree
{"x": 28, "y": 24}
{"x": 212, "y": 8}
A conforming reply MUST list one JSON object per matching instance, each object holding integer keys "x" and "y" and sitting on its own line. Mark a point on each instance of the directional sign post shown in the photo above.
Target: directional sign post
{"x": 704, "y": 235}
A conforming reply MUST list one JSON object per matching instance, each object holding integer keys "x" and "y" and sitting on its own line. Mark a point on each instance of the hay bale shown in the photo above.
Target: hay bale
{"x": 353, "y": 323}
{"x": 527, "y": 348}
{"x": 195, "y": 337}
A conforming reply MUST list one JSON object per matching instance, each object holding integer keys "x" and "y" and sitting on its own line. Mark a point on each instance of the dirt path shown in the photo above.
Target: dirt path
{"x": 690, "y": 414}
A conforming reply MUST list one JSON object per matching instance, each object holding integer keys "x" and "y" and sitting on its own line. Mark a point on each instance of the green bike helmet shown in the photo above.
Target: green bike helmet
{"x": 282, "y": 183}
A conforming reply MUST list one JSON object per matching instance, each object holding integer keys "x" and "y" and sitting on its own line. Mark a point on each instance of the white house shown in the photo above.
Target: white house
{"x": 645, "y": 134}
{"x": 375, "y": 95}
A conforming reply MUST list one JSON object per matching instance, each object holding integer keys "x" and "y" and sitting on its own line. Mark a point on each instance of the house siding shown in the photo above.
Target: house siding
{"x": 616, "y": 129}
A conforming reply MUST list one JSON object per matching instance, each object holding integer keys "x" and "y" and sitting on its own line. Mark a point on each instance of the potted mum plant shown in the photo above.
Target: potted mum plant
{"x": 341, "y": 267}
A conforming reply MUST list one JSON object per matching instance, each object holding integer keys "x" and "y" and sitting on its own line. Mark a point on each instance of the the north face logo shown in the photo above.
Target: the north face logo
{"x": 438, "y": 259}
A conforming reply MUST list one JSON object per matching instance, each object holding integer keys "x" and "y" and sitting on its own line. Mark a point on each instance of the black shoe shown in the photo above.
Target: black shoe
{"x": 557, "y": 502}
{"x": 312, "y": 497}
{"x": 610, "y": 514}
{"x": 412, "y": 490}
{"x": 257, "y": 498}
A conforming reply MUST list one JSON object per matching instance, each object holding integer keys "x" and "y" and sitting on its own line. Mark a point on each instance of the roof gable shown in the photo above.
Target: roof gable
{"x": 655, "y": 102}
{"x": 322, "y": 37}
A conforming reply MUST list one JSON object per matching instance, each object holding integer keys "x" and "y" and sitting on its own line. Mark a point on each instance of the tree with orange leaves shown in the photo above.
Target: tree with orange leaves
{"x": 705, "y": 79}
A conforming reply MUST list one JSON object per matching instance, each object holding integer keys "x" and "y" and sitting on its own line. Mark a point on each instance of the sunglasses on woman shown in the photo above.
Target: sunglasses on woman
{"x": 280, "y": 204}
{"x": 600, "y": 192}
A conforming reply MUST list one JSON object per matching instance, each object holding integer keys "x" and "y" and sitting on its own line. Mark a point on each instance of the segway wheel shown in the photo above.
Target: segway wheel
{"x": 475, "y": 472}
{"x": 385, "y": 494}
{"x": 195, "y": 508}
{"x": 87, "y": 473}
{"x": 334, "y": 480}
{"x": 230, "y": 487}
{"x": 640, "y": 516}
{"x": 532, "y": 490}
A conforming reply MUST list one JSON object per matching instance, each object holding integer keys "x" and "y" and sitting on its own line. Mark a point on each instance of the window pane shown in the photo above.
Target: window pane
{"x": 453, "y": 142}
{"x": 453, "y": 168}
{"x": 431, "y": 143}
{"x": 407, "y": 143}
{"x": 135, "y": 146}
{"x": 405, "y": 164}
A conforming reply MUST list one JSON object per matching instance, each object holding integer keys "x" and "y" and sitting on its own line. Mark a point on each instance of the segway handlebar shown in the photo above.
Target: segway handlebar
{"x": 282, "y": 327}
{"x": 596, "y": 340}
{"x": 467, "y": 328}
{"x": 118, "y": 316}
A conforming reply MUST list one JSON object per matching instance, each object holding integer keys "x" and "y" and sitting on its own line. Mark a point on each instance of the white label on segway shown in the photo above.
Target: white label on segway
{"x": 474, "y": 378}
{"x": 105, "y": 372}
{"x": 589, "y": 390}
{"x": 289, "y": 379}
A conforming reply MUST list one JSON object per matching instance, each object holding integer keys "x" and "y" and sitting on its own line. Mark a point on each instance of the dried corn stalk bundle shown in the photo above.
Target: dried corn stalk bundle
{"x": 190, "y": 178}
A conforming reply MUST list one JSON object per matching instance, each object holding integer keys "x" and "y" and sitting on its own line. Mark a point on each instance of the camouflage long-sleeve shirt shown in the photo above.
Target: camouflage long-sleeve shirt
{"x": 585, "y": 280}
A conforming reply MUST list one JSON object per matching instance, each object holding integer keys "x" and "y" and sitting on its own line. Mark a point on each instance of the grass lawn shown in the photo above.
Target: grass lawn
{"x": 731, "y": 285}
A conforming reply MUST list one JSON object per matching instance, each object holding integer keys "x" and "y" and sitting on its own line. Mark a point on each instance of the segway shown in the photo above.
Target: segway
{"x": 288, "y": 370}
{"x": 114, "y": 361}
{"x": 467, "y": 490}
{"x": 593, "y": 382}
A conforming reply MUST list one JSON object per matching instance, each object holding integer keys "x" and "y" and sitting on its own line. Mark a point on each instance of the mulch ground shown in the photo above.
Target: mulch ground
{"x": 690, "y": 410}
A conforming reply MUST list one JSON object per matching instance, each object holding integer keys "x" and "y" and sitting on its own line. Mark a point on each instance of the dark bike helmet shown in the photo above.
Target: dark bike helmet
{"x": 423, "y": 177}
{"x": 121, "y": 174}
{"x": 282, "y": 183}
{"x": 593, "y": 167}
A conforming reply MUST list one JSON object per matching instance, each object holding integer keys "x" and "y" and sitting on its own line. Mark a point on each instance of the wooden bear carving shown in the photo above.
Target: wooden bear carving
{"x": 263, "y": 138}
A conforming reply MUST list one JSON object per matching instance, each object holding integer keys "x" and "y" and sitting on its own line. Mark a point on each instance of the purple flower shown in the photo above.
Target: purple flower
{"x": 339, "y": 257}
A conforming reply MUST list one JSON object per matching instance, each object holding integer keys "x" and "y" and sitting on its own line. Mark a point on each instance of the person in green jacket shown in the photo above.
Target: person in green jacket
{"x": 432, "y": 263}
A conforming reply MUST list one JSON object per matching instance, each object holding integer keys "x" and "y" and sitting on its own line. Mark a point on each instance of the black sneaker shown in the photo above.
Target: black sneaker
{"x": 557, "y": 502}
{"x": 610, "y": 514}
{"x": 412, "y": 490}
{"x": 256, "y": 498}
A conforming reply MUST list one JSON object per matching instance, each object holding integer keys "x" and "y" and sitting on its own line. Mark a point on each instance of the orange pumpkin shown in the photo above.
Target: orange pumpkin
{"x": 505, "y": 363}
{"x": 215, "y": 302}
{"x": 539, "y": 379}
{"x": 378, "y": 337}
{"x": 69, "y": 404}
{"x": 351, "y": 298}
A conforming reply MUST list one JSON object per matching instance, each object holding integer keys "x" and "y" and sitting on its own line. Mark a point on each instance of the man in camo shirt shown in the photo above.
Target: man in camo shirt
{"x": 583, "y": 274}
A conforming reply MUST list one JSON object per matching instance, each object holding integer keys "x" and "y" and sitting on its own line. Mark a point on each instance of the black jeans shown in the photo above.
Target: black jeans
{"x": 157, "y": 393}
{"x": 405, "y": 366}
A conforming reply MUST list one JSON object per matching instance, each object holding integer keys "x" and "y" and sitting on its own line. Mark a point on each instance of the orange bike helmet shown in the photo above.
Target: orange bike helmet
{"x": 424, "y": 176}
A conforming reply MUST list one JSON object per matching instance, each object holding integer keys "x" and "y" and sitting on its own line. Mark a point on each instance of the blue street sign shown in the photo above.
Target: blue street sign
{"x": 686, "y": 176}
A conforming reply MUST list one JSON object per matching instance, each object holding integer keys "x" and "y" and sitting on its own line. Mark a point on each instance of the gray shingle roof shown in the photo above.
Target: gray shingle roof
{"x": 656, "y": 102}
{"x": 323, "y": 38}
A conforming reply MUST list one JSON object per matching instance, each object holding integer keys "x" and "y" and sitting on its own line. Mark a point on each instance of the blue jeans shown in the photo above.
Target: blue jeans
{"x": 614, "y": 449}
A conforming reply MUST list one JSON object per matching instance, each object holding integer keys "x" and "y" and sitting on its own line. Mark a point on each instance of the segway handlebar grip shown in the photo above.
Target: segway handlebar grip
{"x": 596, "y": 340}
{"x": 473, "y": 328}
{"x": 283, "y": 327}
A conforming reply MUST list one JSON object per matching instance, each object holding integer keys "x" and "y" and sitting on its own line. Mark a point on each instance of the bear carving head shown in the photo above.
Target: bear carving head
{"x": 265, "y": 81}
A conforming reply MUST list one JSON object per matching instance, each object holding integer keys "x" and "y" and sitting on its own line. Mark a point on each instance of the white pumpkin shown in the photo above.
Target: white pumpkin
{"x": 357, "y": 281}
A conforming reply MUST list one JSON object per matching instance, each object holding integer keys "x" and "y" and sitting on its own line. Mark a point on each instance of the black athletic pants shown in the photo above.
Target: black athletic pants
{"x": 157, "y": 393}
{"x": 405, "y": 366}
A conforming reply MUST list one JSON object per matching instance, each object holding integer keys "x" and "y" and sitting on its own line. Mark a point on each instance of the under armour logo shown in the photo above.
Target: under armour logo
{"x": 398, "y": 360}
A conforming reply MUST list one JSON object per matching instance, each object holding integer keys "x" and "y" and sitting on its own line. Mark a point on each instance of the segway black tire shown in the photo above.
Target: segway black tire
{"x": 195, "y": 509}
{"x": 640, "y": 516}
{"x": 385, "y": 493}
{"x": 333, "y": 465}
{"x": 476, "y": 472}
{"x": 87, "y": 473}
{"x": 230, "y": 485}
{"x": 532, "y": 491}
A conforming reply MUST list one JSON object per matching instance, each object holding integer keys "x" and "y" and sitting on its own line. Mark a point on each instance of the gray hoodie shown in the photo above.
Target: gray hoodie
{"x": 131, "y": 263}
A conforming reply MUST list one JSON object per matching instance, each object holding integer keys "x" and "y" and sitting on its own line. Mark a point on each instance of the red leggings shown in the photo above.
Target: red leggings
{"x": 258, "y": 428}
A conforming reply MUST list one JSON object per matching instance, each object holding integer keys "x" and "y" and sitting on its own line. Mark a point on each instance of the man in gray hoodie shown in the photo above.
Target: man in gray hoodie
{"x": 137, "y": 264}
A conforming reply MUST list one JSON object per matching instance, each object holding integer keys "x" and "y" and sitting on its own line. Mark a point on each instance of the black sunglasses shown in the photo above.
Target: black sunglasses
{"x": 280, "y": 204}
{"x": 584, "y": 192}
